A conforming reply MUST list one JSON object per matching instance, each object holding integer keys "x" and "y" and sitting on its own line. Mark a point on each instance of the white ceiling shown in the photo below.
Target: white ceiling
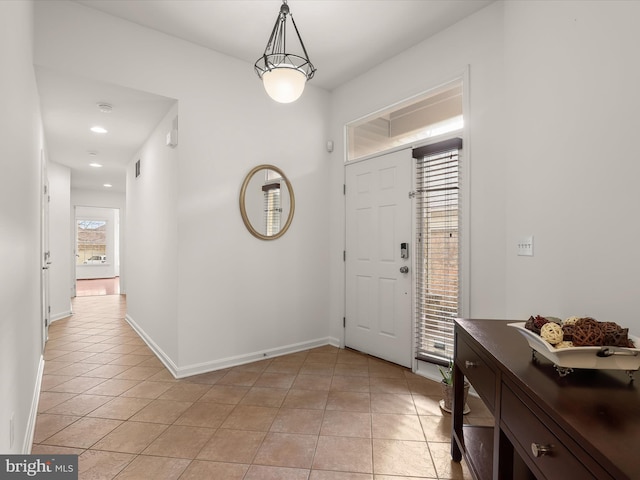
{"x": 69, "y": 110}
{"x": 344, "y": 39}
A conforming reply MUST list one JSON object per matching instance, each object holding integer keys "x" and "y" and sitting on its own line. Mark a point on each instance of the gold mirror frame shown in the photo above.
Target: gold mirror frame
{"x": 243, "y": 210}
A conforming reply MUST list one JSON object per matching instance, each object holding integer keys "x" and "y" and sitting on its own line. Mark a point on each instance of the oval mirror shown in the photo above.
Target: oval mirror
{"x": 267, "y": 202}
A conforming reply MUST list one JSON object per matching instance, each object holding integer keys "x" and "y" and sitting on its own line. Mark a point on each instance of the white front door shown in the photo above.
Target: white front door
{"x": 378, "y": 278}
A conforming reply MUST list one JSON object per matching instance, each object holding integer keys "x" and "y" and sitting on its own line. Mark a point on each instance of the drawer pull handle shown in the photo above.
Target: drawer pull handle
{"x": 470, "y": 364}
{"x": 540, "y": 450}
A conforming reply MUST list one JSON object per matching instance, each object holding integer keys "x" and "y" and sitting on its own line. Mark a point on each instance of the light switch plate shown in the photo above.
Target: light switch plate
{"x": 525, "y": 246}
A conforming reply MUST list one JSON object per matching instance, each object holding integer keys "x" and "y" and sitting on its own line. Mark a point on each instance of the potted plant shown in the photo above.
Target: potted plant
{"x": 447, "y": 390}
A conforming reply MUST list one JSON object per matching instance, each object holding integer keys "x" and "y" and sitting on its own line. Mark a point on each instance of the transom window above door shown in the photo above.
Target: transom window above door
{"x": 432, "y": 114}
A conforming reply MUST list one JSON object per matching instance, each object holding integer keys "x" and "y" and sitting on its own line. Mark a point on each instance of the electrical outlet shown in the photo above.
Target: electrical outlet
{"x": 525, "y": 246}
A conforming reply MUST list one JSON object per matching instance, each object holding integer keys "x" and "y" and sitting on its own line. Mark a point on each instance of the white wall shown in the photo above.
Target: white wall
{"x": 554, "y": 102}
{"x": 573, "y": 165}
{"x": 152, "y": 260}
{"x": 237, "y": 296}
{"x": 22, "y": 141}
{"x": 475, "y": 42}
{"x": 60, "y": 240}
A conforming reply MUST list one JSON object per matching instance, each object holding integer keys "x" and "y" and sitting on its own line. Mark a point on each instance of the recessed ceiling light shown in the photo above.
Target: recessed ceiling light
{"x": 107, "y": 185}
{"x": 95, "y": 164}
{"x": 98, "y": 129}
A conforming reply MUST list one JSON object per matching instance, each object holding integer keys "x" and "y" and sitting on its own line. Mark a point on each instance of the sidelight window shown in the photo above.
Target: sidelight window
{"x": 438, "y": 248}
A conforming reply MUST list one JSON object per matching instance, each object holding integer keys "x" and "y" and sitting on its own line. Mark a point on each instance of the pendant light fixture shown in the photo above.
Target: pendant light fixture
{"x": 284, "y": 74}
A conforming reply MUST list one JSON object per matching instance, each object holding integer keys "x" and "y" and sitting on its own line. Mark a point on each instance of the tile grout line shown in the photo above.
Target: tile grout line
{"x": 384, "y": 385}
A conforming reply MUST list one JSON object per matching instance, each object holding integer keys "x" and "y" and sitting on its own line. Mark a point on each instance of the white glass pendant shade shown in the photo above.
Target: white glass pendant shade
{"x": 284, "y": 83}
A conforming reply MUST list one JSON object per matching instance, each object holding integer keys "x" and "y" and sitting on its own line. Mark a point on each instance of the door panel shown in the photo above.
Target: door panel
{"x": 378, "y": 295}
{"x": 363, "y": 295}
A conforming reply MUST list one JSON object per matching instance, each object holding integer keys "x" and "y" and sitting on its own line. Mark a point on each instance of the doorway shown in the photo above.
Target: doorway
{"x": 381, "y": 253}
{"x": 97, "y": 251}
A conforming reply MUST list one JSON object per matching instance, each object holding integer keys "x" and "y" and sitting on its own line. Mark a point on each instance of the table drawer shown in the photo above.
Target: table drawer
{"x": 477, "y": 370}
{"x": 534, "y": 438}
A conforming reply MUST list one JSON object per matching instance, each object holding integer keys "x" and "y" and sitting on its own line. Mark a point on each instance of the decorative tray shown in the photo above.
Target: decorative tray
{"x": 599, "y": 358}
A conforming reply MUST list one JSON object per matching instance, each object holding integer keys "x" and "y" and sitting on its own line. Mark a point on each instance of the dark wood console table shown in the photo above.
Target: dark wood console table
{"x": 585, "y": 425}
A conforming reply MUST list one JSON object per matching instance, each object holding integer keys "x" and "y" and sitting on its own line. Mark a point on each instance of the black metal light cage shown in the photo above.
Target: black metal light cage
{"x": 275, "y": 53}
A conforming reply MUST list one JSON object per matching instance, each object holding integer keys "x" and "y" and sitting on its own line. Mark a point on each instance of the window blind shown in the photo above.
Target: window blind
{"x": 437, "y": 248}
{"x": 272, "y": 208}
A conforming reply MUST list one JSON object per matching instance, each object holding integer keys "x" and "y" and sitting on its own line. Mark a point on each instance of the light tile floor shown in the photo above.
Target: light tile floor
{"x": 322, "y": 414}
{"x": 98, "y": 286}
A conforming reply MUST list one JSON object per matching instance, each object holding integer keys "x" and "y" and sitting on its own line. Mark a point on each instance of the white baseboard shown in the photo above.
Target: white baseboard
{"x": 205, "y": 367}
{"x": 60, "y": 316}
{"x": 33, "y": 412}
{"x": 162, "y": 356}
{"x": 234, "y": 361}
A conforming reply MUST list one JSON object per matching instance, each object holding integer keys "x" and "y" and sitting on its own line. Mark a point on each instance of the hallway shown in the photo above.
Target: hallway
{"x": 322, "y": 414}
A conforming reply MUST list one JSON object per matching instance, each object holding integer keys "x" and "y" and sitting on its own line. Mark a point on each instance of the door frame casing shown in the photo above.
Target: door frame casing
{"x": 465, "y": 223}
{"x": 45, "y": 253}
{"x": 111, "y": 215}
